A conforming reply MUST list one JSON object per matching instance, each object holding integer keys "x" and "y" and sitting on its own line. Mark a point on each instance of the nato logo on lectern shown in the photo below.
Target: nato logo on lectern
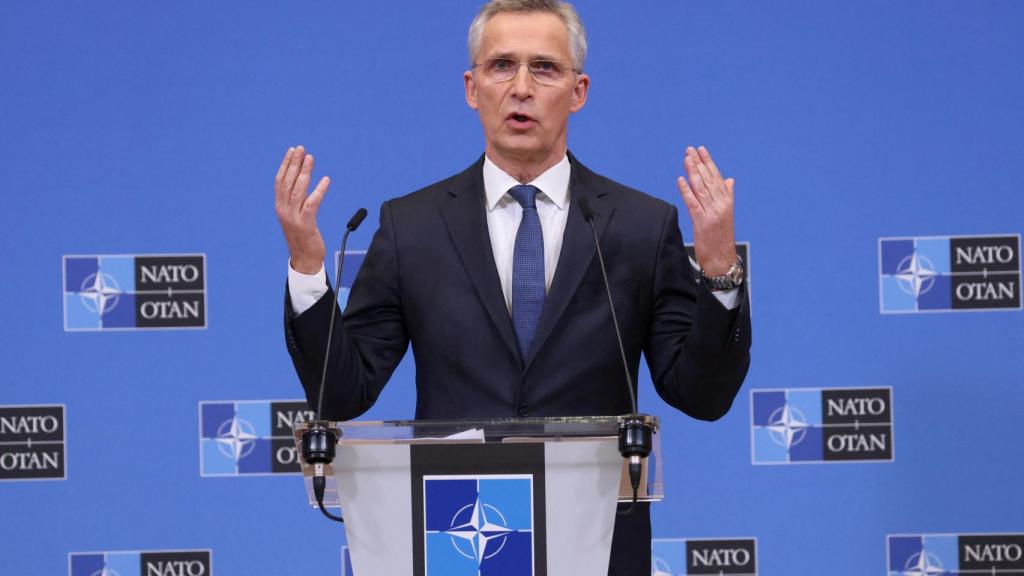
{"x": 949, "y": 273}
{"x": 812, "y": 425}
{"x": 683, "y": 557}
{"x": 134, "y": 292}
{"x": 938, "y": 554}
{"x": 249, "y": 437}
{"x": 141, "y": 563}
{"x": 32, "y": 440}
{"x": 479, "y": 525}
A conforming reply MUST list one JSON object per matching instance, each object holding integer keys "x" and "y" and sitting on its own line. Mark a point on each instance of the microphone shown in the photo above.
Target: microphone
{"x": 635, "y": 433}
{"x": 319, "y": 440}
{"x": 354, "y": 222}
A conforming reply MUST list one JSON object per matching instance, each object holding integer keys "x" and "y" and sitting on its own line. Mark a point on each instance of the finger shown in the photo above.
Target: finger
{"x": 705, "y": 157}
{"x": 302, "y": 182}
{"x": 313, "y": 202}
{"x": 729, "y": 184}
{"x": 281, "y": 196}
{"x": 284, "y": 167}
{"x": 298, "y": 155}
{"x": 696, "y": 179}
{"x": 689, "y": 198}
{"x": 710, "y": 183}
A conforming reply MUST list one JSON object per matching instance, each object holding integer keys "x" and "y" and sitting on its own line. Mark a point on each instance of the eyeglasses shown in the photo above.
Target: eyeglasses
{"x": 546, "y": 72}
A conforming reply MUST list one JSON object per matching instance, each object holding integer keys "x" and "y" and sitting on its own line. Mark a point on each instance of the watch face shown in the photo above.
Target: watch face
{"x": 737, "y": 275}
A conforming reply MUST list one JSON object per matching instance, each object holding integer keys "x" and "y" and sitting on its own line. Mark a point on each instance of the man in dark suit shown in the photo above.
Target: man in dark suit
{"x": 492, "y": 274}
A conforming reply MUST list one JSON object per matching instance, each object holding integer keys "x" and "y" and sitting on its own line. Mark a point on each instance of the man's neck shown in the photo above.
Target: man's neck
{"x": 525, "y": 170}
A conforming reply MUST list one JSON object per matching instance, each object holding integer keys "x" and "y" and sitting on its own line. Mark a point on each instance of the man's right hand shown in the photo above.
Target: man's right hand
{"x": 297, "y": 211}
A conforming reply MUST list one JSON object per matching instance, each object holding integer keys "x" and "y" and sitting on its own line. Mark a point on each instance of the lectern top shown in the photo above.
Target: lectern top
{"x": 488, "y": 430}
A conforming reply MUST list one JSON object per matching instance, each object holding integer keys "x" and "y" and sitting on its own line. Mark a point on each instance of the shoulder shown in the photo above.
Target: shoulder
{"x": 430, "y": 195}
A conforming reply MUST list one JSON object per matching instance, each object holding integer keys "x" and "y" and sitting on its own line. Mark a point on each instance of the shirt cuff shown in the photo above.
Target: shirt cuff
{"x": 729, "y": 298}
{"x": 305, "y": 289}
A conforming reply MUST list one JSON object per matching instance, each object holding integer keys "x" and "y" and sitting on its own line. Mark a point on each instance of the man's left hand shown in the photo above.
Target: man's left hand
{"x": 709, "y": 200}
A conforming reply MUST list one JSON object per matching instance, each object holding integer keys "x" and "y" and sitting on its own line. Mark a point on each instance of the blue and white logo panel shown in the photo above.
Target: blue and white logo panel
{"x": 353, "y": 262}
{"x": 814, "y": 425}
{"x": 141, "y": 563}
{"x": 346, "y": 562}
{"x": 687, "y": 556}
{"x": 480, "y": 525}
{"x": 949, "y": 273}
{"x": 955, "y": 554}
{"x": 249, "y": 437}
{"x": 134, "y": 292}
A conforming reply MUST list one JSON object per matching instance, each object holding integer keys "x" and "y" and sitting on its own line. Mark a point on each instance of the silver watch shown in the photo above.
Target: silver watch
{"x": 731, "y": 279}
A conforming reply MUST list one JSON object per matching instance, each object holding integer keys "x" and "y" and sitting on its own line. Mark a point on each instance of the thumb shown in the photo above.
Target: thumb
{"x": 314, "y": 199}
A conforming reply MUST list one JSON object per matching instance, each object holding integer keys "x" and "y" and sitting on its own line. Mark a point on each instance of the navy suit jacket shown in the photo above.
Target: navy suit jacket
{"x": 429, "y": 279}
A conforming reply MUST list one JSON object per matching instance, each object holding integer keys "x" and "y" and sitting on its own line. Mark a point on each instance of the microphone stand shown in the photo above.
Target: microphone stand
{"x": 319, "y": 439}
{"x": 635, "y": 431}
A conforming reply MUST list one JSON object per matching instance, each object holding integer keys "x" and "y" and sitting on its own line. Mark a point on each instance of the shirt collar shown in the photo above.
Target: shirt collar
{"x": 553, "y": 183}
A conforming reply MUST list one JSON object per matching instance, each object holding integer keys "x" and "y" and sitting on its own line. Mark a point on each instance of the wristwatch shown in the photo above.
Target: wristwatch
{"x": 731, "y": 279}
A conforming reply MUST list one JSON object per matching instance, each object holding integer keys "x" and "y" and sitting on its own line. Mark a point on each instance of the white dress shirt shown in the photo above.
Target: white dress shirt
{"x": 503, "y": 216}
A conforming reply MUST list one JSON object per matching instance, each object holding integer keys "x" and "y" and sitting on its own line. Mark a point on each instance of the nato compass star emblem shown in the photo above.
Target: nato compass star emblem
{"x": 660, "y": 568}
{"x": 478, "y": 531}
{"x": 787, "y": 426}
{"x": 105, "y": 572}
{"x": 916, "y": 274}
{"x": 236, "y": 438}
{"x": 100, "y": 293}
{"x": 923, "y": 564}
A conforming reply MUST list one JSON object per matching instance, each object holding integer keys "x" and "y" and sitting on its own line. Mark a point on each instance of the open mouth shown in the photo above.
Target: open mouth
{"x": 519, "y": 120}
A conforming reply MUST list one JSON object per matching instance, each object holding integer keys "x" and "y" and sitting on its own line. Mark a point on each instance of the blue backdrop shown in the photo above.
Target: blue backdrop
{"x": 141, "y": 128}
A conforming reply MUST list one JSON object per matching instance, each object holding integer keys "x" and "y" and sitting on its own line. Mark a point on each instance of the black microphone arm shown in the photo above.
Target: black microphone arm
{"x": 635, "y": 433}
{"x": 319, "y": 439}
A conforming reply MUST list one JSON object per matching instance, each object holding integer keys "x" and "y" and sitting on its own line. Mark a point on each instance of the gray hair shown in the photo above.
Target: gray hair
{"x": 564, "y": 10}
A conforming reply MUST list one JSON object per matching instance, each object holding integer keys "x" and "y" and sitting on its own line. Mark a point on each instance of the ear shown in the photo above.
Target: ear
{"x": 467, "y": 77}
{"x": 579, "y": 92}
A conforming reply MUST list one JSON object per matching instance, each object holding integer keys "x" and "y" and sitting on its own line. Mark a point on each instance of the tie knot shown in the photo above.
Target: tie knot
{"x": 525, "y": 194}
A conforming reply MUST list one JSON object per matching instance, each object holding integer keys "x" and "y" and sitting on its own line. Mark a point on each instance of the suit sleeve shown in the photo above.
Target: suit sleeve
{"x": 698, "y": 352}
{"x": 369, "y": 339}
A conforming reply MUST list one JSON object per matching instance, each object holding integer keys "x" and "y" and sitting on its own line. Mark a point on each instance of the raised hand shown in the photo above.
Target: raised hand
{"x": 297, "y": 211}
{"x": 709, "y": 200}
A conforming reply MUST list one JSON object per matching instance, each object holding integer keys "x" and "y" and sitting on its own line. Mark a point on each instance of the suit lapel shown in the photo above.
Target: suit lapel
{"x": 577, "y": 251}
{"x": 464, "y": 214}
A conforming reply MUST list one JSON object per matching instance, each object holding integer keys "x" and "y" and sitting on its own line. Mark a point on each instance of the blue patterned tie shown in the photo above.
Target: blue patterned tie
{"x": 527, "y": 269}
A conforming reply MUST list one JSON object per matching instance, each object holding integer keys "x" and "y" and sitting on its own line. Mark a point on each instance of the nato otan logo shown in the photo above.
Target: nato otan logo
{"x": 353, "y": 261}
{"x": 134, "y": 292}
{"x": 681, "y": 557}
{"x": 809, "y": 425}
{"x": 250, "y": 437}
{"x": 965, "y": 554}
{"x": 480, "y": 525}
{"x": 32, "y": 441}
{"x": 141, "y": 563}
{"x": 949, "y": 273}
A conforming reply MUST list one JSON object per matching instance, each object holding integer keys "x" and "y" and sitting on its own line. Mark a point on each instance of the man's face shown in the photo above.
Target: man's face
{"x": 523, "y": 120}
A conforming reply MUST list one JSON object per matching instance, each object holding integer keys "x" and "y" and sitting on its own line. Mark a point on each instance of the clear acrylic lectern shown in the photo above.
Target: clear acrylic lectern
{"x": 512, "y": 496}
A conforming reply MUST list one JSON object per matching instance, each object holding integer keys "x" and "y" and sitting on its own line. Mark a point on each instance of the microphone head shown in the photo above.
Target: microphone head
{"x": 585, "y": 208}
{"x": 357, "y": 219}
